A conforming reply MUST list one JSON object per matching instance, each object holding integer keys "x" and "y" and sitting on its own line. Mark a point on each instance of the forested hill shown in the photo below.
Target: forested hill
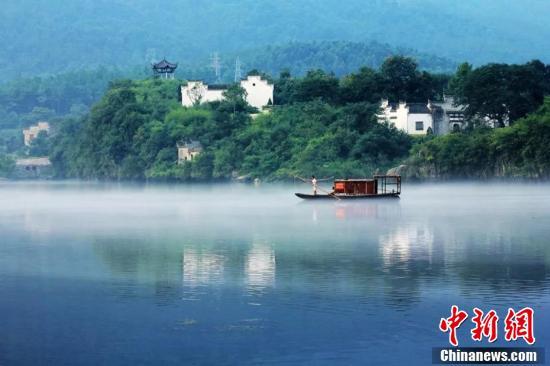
{"x": 57, "y": 35}
{"x": 339, "y": 57}
{"x": 23, "y": 101}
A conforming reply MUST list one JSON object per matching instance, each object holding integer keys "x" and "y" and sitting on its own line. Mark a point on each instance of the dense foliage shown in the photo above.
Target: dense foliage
{"x": 522, "y": 150}
{"x": 398, "y": 78}
{"x": 317, "y": 138}
{"x": 57, "y": 35}
{"x": 339, "y": 57}
{"x": 320, "y": 124}
{"x": 24, "y": 101}
{"x": 501, "y": 92}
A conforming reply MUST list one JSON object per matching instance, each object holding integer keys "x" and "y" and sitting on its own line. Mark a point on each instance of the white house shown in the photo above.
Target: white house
{"x": 420, "y": 119}
{"x": 259, "y": 92}
{"x": 413, "y": 118}
{"x": 197, "y": 92}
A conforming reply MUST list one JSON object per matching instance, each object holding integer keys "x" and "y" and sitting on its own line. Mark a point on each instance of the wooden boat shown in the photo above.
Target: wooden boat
{"x": 380, "y": 186}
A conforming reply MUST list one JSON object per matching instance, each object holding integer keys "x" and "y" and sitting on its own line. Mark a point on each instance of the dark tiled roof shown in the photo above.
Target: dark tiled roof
{"x": 164, "y": 65}
{"x": 418, "y": 108}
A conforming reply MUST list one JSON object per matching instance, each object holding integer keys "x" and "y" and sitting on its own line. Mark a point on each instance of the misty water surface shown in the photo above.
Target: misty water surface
{"x": 231, "y": 274}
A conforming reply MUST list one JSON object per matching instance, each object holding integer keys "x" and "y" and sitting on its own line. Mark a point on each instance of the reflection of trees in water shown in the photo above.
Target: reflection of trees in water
{"x": 408, "y": 257}
{"x": 370, "y": 257}
{"x": 176, "y": 269}
{"x": 134, "y": 262}
{"x": 503, "y": 265}
{"x": 189, "y": 269}
{"x": 195, "y": 266}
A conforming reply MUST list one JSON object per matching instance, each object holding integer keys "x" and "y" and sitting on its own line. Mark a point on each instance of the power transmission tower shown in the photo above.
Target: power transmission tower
{"x": 238, "y": 71}
{"x": 216, "y": 65}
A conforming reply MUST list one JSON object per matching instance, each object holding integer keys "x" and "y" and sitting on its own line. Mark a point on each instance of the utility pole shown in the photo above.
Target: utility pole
{"x": 238, "y": 72}
{"x": 216, "y": 65}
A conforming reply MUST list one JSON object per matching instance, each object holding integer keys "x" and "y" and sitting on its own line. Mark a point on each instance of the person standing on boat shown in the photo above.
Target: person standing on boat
{"x": 314, "y": 184}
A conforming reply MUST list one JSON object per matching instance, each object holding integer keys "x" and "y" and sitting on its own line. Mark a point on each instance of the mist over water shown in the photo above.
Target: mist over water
{"x": 236, "y": 274}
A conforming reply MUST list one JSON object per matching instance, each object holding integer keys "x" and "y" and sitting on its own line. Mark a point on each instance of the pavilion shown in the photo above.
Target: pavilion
{"x": 164, "y": 69}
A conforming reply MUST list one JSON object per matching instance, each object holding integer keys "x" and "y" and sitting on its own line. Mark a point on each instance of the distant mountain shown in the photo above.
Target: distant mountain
{"x": 57, "y": 35}
{"x": 64, "y": 92}
{"x": 340, "y": 57}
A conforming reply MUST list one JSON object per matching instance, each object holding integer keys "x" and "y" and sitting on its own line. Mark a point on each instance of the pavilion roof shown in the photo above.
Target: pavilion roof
{"x": 164, "y": 64}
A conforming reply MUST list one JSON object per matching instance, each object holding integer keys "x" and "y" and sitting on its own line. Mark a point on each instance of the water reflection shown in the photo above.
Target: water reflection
{"x": 202, "y": 269}
{"x": 175, "y": 269}
{"x": 410, "y": 242}
{"x": 260, "y": 267}
{"x": 351, "y": 210}
{"x": 365, "y": 250}
{"x": 389, "y": 209}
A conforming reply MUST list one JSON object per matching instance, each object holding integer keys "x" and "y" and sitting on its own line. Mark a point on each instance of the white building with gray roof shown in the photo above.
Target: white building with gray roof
{"x": 438, "y": 118}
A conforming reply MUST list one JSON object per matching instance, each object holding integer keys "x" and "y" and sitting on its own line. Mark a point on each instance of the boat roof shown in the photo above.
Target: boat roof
{"x": 367, "y": 179}
{"x": 354, "y": 180}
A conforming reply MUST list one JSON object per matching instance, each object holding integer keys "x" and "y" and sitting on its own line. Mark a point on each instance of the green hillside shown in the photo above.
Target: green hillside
{"x": 23, "y": 101}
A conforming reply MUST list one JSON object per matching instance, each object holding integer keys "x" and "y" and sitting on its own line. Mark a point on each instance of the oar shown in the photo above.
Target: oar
{"x": 329, "y": 193}
{"x": 319, "y": 188}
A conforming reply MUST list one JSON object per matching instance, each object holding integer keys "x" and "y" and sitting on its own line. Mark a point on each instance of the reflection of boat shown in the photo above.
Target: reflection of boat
{"x": 380, "y": 186}
{"x": 345, "y": 196}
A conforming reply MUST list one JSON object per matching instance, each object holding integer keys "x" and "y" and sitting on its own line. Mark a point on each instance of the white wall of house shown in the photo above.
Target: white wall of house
{"x": 397, "y": 116}
{"x": 402, "y": 113}
{"x": 197, "y": 91}
{"x": 423, "y": 120}
{"x": 259, "y": 92}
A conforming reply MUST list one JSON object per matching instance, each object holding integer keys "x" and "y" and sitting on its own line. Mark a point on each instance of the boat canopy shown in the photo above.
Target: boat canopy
{"x": 379, "y": 184}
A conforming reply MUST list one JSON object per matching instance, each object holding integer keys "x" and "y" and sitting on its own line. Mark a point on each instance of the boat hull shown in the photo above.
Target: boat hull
{"x": 345, "y": 196}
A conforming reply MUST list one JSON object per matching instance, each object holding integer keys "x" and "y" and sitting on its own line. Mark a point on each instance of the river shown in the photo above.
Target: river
{"x": 125, "y": 274}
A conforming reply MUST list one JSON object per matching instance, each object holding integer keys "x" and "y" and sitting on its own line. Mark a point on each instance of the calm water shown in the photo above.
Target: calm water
{"x": 131, "y": 275}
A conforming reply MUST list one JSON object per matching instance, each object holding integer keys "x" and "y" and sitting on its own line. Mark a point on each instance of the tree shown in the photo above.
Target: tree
{"x": 284, "y": 88}
{"x": 317, "y": 84}
{"x": 235, "y": 96}
{"x": 364, "y": 85}
{"x": 40, "y": 146}
{"x": 399, "y": 76}
{"x": 196, "y": 94}
{"x": 458, "y": 80}
{"x": 503, "y": 92}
